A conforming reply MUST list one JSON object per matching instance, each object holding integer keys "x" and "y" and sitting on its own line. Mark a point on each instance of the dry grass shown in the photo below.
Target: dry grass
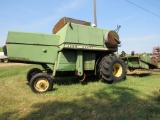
{"x": 136, "y": 98}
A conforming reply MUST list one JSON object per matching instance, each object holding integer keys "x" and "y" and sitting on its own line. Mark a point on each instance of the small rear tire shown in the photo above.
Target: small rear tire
{"x": 41, "y": 82}
{"x": 32, "y": 72}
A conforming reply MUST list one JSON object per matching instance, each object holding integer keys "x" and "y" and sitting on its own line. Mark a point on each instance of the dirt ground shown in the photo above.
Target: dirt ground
{"x": 12, "y": 64}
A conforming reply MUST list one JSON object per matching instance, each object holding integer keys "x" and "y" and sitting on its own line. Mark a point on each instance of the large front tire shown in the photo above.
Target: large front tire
{"x": 112, "y": 69}
{"x": 41, "y": 82}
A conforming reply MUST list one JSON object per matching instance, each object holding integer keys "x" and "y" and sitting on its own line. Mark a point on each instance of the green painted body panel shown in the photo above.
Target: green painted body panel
{"x": 32, "y": 53}
{"x": 31, "y": 47}
{"x": 145, "y": 58}
{"x": 89, "y": 60}
{"x": 80, "y": 34}
{"x": 67, "y": 61}
{"x": 68, "y": 34}
{"x": 32, "y": 38}
{"x": 96, "y": 36}
{"x": 143, "y": 65}
{"x": 135, "y": 62}
{"x": 83, "y": 35}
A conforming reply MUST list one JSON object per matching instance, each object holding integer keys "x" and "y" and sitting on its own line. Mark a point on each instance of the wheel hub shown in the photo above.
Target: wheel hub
{"x": 117, "y": 69}
{"x": 41, "y": 85}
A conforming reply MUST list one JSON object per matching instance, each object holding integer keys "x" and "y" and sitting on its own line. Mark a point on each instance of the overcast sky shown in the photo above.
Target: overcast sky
{"x": 140, "y": 22}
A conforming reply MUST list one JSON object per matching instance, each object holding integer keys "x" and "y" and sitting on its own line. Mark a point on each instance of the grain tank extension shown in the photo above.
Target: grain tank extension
{"x": 74, "y": 48}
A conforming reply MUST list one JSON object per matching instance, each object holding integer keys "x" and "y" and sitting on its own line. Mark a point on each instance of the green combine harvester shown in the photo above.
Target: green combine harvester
{"x": 74, "y": 48}
{"x": 141, "y": 64}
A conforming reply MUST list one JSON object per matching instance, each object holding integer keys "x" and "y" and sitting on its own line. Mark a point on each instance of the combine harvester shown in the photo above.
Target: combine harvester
{"x": 142, "y": 63}
{"x": 74, "y": 48}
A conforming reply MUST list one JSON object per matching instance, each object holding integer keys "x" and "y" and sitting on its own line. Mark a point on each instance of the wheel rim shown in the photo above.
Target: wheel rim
{"x": 41, "y": 84}
{"x": 117, "y": 69}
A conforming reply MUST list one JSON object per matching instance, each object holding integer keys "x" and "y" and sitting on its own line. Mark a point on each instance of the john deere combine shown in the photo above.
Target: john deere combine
{"x": 74, "y": 48}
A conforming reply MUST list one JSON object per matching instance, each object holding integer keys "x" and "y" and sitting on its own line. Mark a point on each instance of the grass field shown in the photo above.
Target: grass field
{"x": 136, "y": 98}
{"x": 1, "y": 49}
